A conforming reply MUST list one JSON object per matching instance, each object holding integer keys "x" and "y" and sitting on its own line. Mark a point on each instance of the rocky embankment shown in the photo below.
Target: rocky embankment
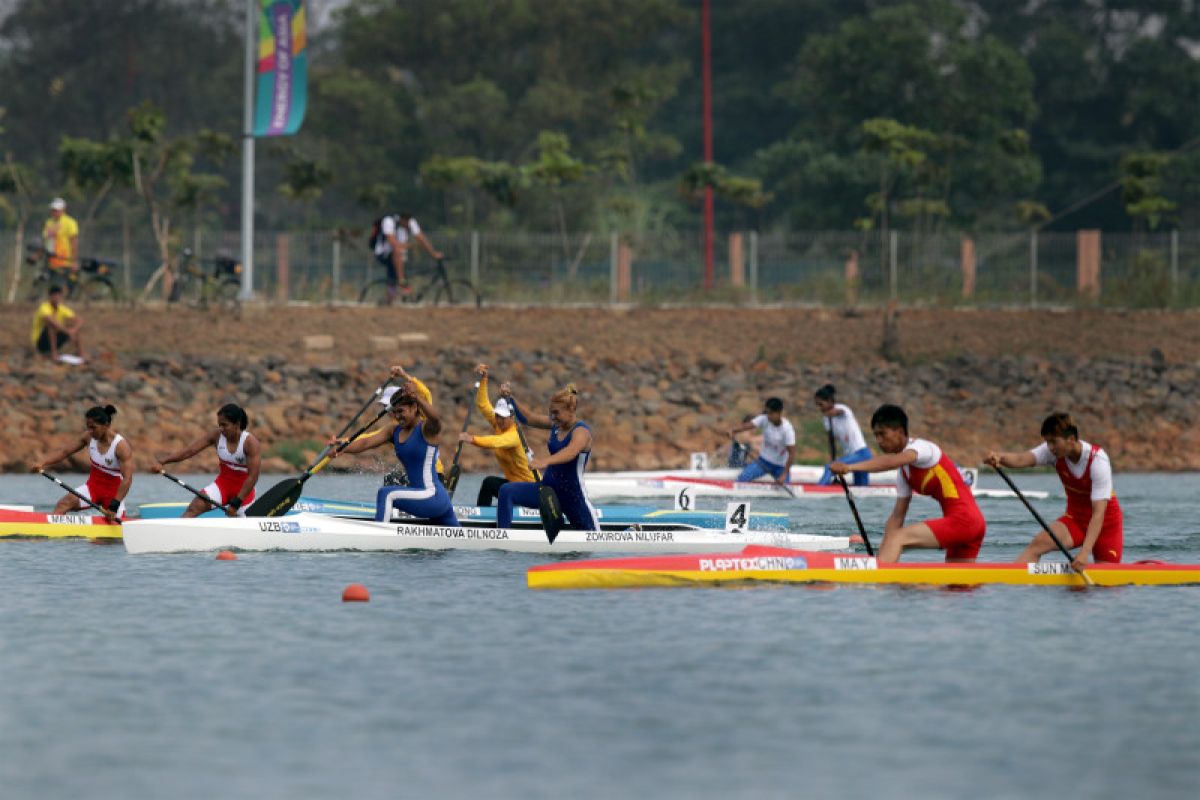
{"x": 655, "y": 385}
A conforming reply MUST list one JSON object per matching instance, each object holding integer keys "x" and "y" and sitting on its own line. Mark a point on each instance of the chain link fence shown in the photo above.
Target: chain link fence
{"x": 821, "y": 268}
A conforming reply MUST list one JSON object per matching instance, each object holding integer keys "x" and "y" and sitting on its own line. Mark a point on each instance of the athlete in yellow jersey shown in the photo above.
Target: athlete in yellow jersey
{"x": 505, "y": 443}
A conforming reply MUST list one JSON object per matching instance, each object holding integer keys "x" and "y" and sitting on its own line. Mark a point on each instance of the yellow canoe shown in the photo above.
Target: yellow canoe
{"x": 757, "y": 564}
{"x": 31, "y": 525}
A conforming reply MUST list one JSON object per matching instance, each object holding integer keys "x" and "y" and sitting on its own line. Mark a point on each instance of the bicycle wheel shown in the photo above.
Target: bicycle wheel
{"x": 458, "y": 292}
{"x": 182, "y": 290}
{"x": 225, "y": 296}
{"x": 97, "y": 290}
{"x": 38, "y": 286}
{"x": 375, "y": 293}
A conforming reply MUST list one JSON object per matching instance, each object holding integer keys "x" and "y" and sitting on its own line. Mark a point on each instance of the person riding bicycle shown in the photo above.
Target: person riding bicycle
{"x": 390, "y": 242}
{"x": 60, "y": 237}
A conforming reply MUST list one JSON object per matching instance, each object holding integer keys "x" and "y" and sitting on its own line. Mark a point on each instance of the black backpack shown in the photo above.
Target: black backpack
{"x": 377, "y": 229}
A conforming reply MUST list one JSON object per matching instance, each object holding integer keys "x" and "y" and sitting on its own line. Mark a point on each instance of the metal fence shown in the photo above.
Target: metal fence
{"x": 829, "y": 268}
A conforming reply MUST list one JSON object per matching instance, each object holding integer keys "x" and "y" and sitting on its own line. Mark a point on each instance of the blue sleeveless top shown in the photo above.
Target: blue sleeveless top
{"x": 418, "y": 457}
{"x": 569, "y": 475}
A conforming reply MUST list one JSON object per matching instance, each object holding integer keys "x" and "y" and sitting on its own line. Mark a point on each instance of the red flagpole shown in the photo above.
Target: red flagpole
{"x": 706, "y": 47}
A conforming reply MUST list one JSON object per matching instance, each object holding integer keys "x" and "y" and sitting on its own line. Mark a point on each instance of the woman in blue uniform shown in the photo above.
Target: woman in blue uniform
{"x": 570, "y": 446}
{"x": 413, "y": 429}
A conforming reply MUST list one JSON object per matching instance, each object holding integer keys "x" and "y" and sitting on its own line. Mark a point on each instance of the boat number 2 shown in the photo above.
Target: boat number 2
{"x": 736, "y": 515}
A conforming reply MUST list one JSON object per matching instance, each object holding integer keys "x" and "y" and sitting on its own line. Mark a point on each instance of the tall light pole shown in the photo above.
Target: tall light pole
{"x": 706, "y": 48}
{"x": 250, "y": 61}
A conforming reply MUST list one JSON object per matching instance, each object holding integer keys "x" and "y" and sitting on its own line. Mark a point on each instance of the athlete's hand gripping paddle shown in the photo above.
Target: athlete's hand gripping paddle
{"x": 1082, "y": 574}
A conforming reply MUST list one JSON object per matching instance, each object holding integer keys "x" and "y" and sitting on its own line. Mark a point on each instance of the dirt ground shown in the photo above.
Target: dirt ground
{"x": 811, "y": 336}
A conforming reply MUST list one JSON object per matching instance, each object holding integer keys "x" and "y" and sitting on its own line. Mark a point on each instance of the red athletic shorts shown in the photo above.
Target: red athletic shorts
{"x": 1109, "y": 544}
{"x": 225, "y": 488}
{"x": 960, "y": 533}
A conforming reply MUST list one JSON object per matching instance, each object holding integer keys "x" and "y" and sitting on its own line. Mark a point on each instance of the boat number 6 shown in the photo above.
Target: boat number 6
{"x": 683, "y": 500}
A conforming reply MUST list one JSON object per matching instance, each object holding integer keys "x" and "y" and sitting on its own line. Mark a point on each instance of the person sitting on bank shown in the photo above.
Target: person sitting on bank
{"x": 55, "y": 325}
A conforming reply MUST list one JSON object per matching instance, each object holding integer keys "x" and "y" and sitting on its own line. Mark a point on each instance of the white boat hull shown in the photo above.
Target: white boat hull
{"x": 319, "y": 532}
{"x": 799, "y": 473}
{"x": 605, "y": 486}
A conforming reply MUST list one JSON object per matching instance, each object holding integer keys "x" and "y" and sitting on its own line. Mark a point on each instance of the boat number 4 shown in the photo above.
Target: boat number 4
{"x": 737, "y": 517}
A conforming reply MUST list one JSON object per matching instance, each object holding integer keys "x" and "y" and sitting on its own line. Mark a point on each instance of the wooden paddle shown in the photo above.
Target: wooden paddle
{"x": 1070, "y": 560}
{"x": 279, "y": 499}
{"x": 197, "y": 492}
{"x": 452, "y": 475}
{"x": 548, "y": 505}
{"x": 49, "y": 476}
{"x": 841, "y": 479}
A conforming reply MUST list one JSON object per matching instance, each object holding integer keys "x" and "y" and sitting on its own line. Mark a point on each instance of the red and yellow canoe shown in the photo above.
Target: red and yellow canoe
{"x": 759, "y": 564}
{"x": 31, "y": 524}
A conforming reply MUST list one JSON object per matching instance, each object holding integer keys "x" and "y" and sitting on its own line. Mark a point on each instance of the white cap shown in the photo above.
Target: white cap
{"x": 58, "y": 204}
{"x": 503, "y": 408}
{"x": 385, "y": 399}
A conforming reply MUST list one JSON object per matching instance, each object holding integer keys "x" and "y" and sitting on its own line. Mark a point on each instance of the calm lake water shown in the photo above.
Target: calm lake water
{"x": 179, "y": 676}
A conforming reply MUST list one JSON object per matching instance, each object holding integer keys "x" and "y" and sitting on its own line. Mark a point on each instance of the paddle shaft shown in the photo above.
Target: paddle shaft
{"x": 548, "y": 506}
{"x": 280, "y": 498}
{"x": 1046, "y": 527}
{"x": 198, "y": 493}
{"x": 323, "y": 460}
{"x": 452, "y": 475}
{"x": 54, "y": 478}
{"x": 334, "y": 450}
{"x": 841, "y": 479}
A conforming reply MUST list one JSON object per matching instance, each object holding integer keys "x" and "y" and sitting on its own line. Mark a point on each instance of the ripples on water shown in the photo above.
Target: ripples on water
{"x": 180, "y": 676}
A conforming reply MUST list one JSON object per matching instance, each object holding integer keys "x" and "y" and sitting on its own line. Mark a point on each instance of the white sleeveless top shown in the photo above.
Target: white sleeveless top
{"x": 108, "y": 463}
{"x": 235, "y": 460}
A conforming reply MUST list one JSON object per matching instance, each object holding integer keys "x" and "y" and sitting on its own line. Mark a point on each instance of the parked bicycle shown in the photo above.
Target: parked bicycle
{"x": 218, "y": 286}
{"x": 92, "y": 282}
{"x": 439, "y": 287}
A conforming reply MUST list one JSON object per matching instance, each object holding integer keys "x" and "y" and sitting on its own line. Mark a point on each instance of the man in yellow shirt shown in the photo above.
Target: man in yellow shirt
{"x": 54, "y": 325}
{"x": 505, "y": 444}
{"x": 60, "y": 237}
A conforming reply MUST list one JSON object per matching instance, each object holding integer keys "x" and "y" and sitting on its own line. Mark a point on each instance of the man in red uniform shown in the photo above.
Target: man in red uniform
{"x": 921, "y": 467}
{"x": 1093, "y": 521}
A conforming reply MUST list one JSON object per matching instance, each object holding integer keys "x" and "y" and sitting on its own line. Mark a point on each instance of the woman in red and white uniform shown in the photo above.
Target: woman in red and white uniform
{"x": 111, "y": 475}
{"x": 921, "y": 467}
{"x": 1093, "y": 521}
{"x": 240, "y": 457}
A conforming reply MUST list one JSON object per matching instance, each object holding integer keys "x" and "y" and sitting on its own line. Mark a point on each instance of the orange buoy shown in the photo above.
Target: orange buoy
{"x": 355, "y": 593}
{"x": 226, "y": 555}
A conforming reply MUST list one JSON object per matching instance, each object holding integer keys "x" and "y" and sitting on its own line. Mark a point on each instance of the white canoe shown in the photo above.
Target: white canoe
{"x": 308, "y": 531}
{"x": 799, "y": 473}
{"x": 605, "y": 486}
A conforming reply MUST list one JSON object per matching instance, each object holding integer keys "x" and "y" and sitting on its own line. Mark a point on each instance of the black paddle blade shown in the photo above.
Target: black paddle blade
{"x": 277, "y": 500}
{"x": 550, "y": 511}
{"x": 452, "y": 480}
